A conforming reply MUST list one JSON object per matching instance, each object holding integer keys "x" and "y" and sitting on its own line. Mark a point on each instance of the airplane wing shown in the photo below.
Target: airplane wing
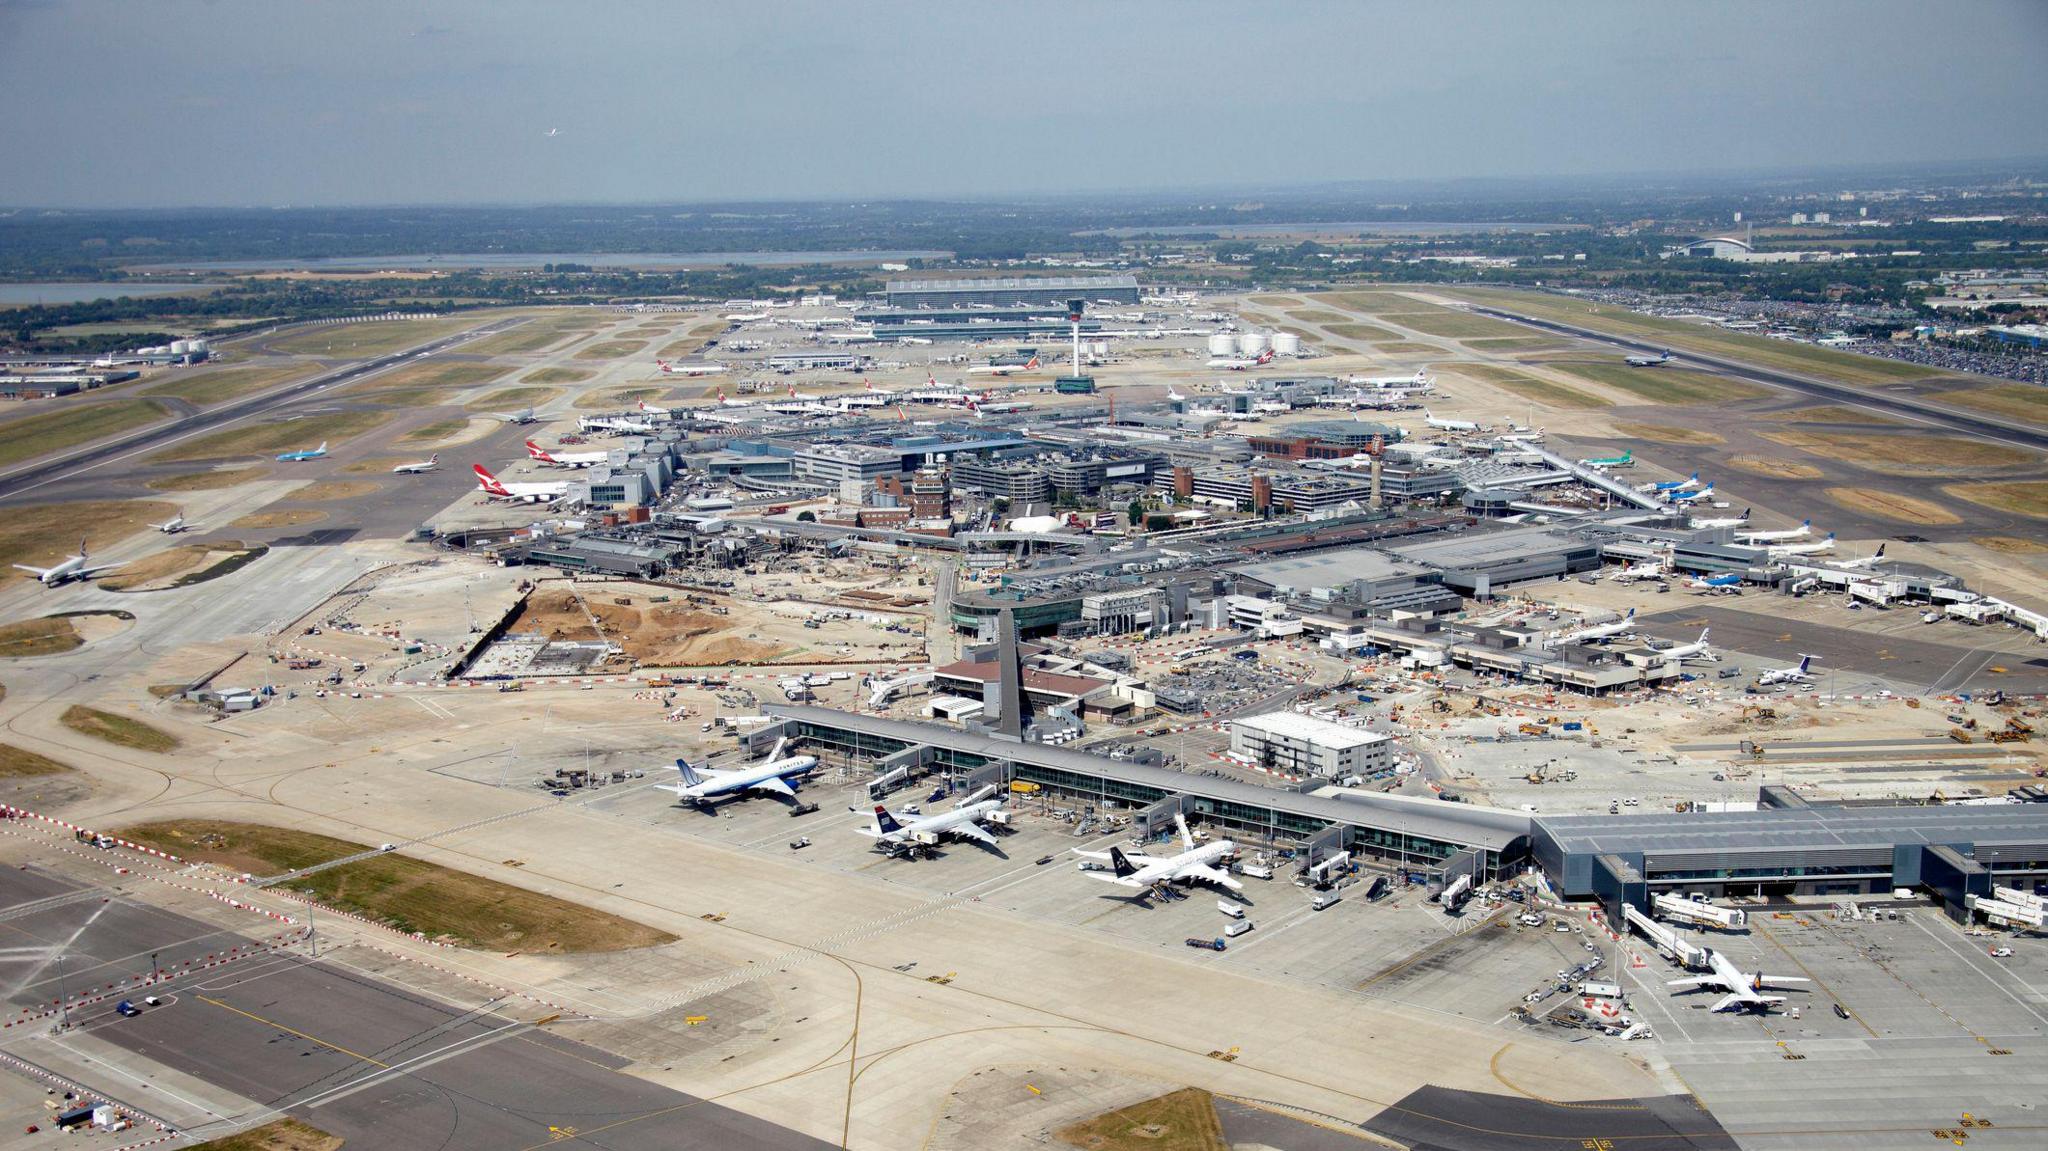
{"x": 775, "y": 785}
{"x": 1212, "y": 875}
{"x": 1774, "y": 980}
{"x": 974, "y": 832}
{"x": 1119, "y": 880}
{"x": 1135, "y": 857}
{"x": 1699, "y": 982}
{"x": 1728, "y": 1001}
{"x": 40, "y": 572}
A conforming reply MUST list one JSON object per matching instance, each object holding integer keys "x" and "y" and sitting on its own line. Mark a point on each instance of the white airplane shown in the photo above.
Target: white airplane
{"x": 868, "y": 386}
{"x": 551, "y": 133}
{"x": 498, "y": 489}
{"x": 76, "y": 567}
{"x": 1648, "y": 569}
{"x": 618, "y": 424}
{"x": 566, "y": 459}
{"x": 890, "y": 830}
{"x": 1705, "y": 493}
{"x": 1173, "y": 396}
{"x": 659, "y": 413}
{"x": 522, "y": 416}
{"x": 1641, "y": 361}
{"x": 1731, "y": 583}
{"x": 1722, "y": 522}
{"x": 772, "y": 775}
{"x": 1871, "y": 560}
{"x": 1777, "y": 675}
{"x": 1696, "y": 649}
{"x": 169, "y": 527}
{"x": 1804, "y": 529}
{"x": 1420, "y": 381}
{"x": 724, "y": 402}
{"x": 1135, "y": 869}
{"x": 716, "y": 417}
{"x": 1781, "y": 551}
{"x": 431, "y": 463}
{"x": 1444, "y": 425}
{"x": 1661, "y": 486}
{"x": 702, "y": 369}
{"x": 1743, "y": 987}
{"x": 1597, "y": 631}
{"x": 1238, "y": 365}
{"x": 1030, "y": 365}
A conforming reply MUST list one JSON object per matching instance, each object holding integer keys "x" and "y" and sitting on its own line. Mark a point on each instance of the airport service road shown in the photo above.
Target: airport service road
{"x": 1848, "y": 658}
{"x": 1866, "y": 398}
{"x": 30, "y": 477}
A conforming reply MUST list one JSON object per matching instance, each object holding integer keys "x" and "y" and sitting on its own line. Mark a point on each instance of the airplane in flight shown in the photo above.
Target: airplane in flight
{"x": 1193, "y": 865}
{"x": 498, "y": 489}
{"x": 1777, "y": 675}
{"x": 1804, "y": 529}
{"x": 616, "y": 424}
{"x": 1597, "y": 631}
{"x": 706, "y": 368}
{"x": 1444, "y": 425}
{"x": 1730, "y": 582}
{"x": 1689, "y": 482}
{"x": 566, "y": 459}
{"x": 551, "y": 133}
{"x": 1234, "y": 364}
{"x": 1783, "y": 551}
{"x": 77, "y": 567}
{"x": 170, "y": 527}
{"x": 1722, "y": 522}
{"x": 1642, "y": 361}
{"x": 304, "y": 455}
{"x": 773, "y": 776}
{"x": 1705, "y": 493}
{"x": 431, "y": 463}
{"x": 1626, "y": 459}
{"x": 891, "y": 830}
{"x": 1744, "y": 988}
{"x": 1030, "y": 365}
{"x": 1871, "y": 560}
{"x": 1697, "y": 649}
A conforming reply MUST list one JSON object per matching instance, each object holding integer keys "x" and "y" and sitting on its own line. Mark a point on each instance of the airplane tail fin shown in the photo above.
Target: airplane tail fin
{"x": 1119, "y": 866}
{"x": 885, "y": 824}
{"x": 1187, "y": 837}
{"x": 1805, "y": 662}
{"x": 489, "y": 482}
{"x": 1032, "y": 364}
{"x": 689, "y": 774}
{"x": 322, "y": 447}
{"x": 435, "y": 458}
{"x": 1703, "y": 634}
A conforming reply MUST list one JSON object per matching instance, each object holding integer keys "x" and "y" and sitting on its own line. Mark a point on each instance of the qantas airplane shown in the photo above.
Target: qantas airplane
{"x": 704, "y": 369}
{"x": 497, "y": 489}
{"x": 431, "y": 463}
{"x": 565, "y": 459}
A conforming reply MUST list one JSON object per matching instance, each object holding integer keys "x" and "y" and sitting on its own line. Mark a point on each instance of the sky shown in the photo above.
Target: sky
{"x": 224, "y": 102}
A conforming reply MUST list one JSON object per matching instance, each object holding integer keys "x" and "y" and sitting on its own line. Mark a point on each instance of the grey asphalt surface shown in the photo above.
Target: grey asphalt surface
{"x": 1441, "y": 1119}
{"x": 378, "y": 1064}
{"x": 1916, "y": 665}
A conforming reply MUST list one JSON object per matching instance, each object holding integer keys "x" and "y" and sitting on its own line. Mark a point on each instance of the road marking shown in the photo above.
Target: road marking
{"x": 1971, "y": 963}
{"x": 292, "y": 1031}
{"x": 417, "y": 1063}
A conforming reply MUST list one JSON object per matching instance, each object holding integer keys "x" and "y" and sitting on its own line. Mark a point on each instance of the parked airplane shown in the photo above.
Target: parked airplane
{"x": 774, "y": 775}
{"x": 1777, "y": 675}
{"x": 522, "y": 416}
{"x": 1419, "y": 381}
{"x": 302, "y": 456}
{"x": 1871, "y": 560}
{"x": 616, "y": 424}
{"x": 1444, "y": 425}
{"x": 1697, "y": 648}
{"x": 76, "y": 567}
{"x": 889, "y": 830}
{"x": 1134, "y": 869}
{"x": 497, "y": 489}
{"x": 868, "y": 386}
{"x": 1648, "y": 569}
{"x": 1723, "y": 522}
{"x": 1597, "y": 631}
{"x": 1824, "y": 544}
{"x": 1640, "y": 361}
{"x": 1705, "y": 493}
{"x": 1804, "y": 529}
{"x": 1030, "y": 365}
{"x": 1691, "y": 481}
{"x": 1730, "y": 582}
{"x": 172, "y": 526}
{"x": 431, "y": 463}
{"x": 702, "y": 369}
{"x": 1626, "y": 459}
{"x": 1743, "y": 988}
{"x": 1238, "y": 365}
{"x": 565, "y": 459}
{"x": 647, "y": 409}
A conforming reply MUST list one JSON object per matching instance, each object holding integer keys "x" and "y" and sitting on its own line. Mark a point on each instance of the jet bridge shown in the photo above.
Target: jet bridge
{"x": 1599, "y": 479}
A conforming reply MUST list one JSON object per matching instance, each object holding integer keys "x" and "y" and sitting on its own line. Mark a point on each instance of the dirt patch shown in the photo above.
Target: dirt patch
{"x": 1185, "y": 1120}
{"x": 18, "y": 763}
{"x": 616, "y": 398}
{"x": 1890, "y": 506}
{"x": 428, "y": 378}
{"x": 45, "y": 432}
{"x": 286, "y": 435}
{"x": 1664, "y": 385}
{"x": 1366, "y": 332}
{"x": 287, "y": 518}
{"x": 513, "y": 399}
{"x": 213, "y": 387}
{"x": 1401, "y": 348}
{"x": 2027, "y": 402}
{"x": 182, "y": 567}
{"x": 656, "y": 635}
{"x": 324, "y": 490}
{"x": 1313, "y": 316}
{"x": 557, "y": 376}
{"x": 1833, "y": 414}
{"x": 1905, "y": 455}
{"x": 1777, "y": 469}
{"x": 690, "y": 345}
{"x": 45, "y": 534}
{"x": 1666, "y": 434}
{"x": 33, "y": 637}
{"x": 283, "y": 1135}
{"x": 436, "y": 431}
{"x": 119, "y": 730}
{"x": 1545, "y": 392}
{"x": 611, "y": 350}
{"x": 408, "y": 894}
{"x": 2011, "y": 545}
{"x": 2026, "y": 498}
{"x": 207, "y": 481}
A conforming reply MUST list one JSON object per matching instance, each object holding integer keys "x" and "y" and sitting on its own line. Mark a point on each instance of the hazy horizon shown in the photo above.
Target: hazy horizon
{"x": 231, "y": 104}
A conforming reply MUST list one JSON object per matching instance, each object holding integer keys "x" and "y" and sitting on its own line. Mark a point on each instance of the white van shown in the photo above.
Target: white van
{"x": 1238, "y": 928}
{"x": 1230, "y": 909}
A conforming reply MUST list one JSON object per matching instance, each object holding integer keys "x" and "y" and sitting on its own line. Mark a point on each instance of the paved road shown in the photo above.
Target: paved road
{"x": 1915, "y": 410}
{"x": 30, "y": 477}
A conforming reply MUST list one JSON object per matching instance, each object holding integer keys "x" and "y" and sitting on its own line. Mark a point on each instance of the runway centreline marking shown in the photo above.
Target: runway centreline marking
{"x": 292, "y": 1031}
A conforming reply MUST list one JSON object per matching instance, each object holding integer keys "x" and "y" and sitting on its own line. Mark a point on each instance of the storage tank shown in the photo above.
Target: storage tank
{"x": 181, "y": 347}
{"x": 201, "y": 346}
{"x": 1286, "y": 344}
{"x": 1253, "y": 344}
{"x": 1099, "y": 349}
{"x": 1223, "y": 344}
